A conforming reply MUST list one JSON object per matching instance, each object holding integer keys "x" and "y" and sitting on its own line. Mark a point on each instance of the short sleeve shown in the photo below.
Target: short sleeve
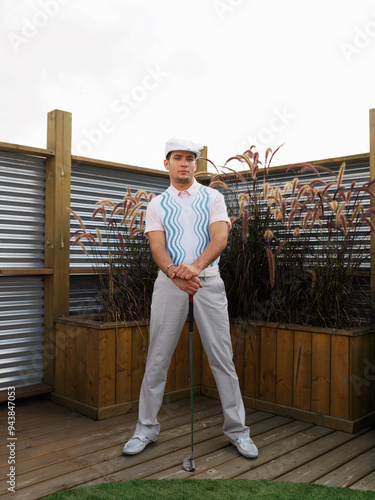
{"x": 153, "y": 221}
{"x": 219, "y": 210}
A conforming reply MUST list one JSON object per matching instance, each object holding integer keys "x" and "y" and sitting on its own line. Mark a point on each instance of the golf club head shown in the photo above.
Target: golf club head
{"x": 189, "y": 464}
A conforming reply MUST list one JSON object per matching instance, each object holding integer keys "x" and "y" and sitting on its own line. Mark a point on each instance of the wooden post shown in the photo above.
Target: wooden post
{"x": 57, "y": 229}
{"x": 202, "y": 164}
{"x": 372, "y": 178}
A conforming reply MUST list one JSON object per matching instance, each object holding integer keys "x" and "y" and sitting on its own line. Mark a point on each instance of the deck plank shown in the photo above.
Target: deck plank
{"x": 351, "y": 472}
{"x": 268, "y": 431}
{"x": 342, "y": 451}
{"x": 246, "y": 469}
{"x": 121, "y": 426}
{"x": 366, "y": 483}
{"x": 98, "y": 452}
{"x": 51, "y": 426}
{"x": 83, "y": 466}
{"x": 298, "y": 457}
{"x": 221, "y": 446}
{"x": 27, "y": 418}
{"x": 59, "y": 449}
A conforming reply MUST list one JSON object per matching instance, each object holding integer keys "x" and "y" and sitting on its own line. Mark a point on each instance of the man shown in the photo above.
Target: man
{"x": 187, "y": 227}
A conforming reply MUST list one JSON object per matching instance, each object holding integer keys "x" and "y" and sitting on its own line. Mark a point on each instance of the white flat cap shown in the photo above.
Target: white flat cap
{"x": 182, "y": 145}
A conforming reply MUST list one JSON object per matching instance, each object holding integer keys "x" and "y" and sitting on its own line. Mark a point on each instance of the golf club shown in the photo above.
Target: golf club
{"x": 188, "y": 464}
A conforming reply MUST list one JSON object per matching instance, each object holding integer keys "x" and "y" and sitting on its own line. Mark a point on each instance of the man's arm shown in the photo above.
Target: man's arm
{"x": 219, "y": 238}
{"x": 162, "y": 259}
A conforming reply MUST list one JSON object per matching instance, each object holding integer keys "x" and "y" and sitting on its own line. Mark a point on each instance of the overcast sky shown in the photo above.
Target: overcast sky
{"x": 225, "y": 73}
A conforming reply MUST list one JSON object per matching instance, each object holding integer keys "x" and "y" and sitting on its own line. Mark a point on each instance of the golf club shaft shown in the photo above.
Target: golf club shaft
{"x": 191, "y": 329}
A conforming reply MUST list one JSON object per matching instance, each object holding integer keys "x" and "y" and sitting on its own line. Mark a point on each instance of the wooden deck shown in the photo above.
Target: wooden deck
{"x": 58, "y": 449}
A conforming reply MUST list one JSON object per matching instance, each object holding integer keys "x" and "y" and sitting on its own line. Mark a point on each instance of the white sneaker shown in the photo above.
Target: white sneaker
{"x": 136, "y": 444}
{"x": 246, "y": 447}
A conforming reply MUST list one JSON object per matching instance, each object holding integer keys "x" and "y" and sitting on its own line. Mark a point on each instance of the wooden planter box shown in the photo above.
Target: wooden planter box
{"x": 315, "y": 375}
{"x": 311, "y": 374}
{"x": 100, "y": 366}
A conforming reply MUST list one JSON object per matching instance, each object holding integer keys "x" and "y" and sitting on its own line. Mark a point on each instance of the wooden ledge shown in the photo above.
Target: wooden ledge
{"x": 27, "y": 150}
{"x": 27, "y": 391}
{"x": 350, "y": 332}
{"x": 117, "y": 166}
{"x": 92, "y": 321}
{"x": 24, "y": 271}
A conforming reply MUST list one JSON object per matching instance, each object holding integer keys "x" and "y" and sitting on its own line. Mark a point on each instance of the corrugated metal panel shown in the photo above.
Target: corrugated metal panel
{"x": 22, "y": 195}
{"x": 83, "y": 294}
{"x": 88, "y": 186}
{"x": 21, "y": 331}
{"x": 91, "y": 184}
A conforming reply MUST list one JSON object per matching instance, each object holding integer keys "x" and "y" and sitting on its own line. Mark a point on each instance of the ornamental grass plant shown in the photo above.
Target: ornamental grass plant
{"x": 297, "y": 251}
{"x": 120, "y": 257}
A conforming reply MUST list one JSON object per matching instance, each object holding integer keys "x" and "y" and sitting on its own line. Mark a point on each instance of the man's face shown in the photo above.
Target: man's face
{"x": 181, "y": 167}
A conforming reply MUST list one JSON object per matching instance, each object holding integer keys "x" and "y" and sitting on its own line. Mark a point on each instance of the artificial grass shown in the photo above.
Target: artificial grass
{"x": 208, "y": 489}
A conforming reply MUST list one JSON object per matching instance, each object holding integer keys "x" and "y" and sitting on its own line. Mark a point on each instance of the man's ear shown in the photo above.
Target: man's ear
{"x": 166, "y": 164}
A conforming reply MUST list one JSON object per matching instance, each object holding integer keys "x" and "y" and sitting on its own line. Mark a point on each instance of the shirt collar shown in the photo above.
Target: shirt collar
{"x": 190, "y": 190}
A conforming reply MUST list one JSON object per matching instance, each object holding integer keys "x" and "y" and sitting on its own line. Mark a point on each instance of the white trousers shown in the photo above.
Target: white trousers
{"x": 169, "y": 312}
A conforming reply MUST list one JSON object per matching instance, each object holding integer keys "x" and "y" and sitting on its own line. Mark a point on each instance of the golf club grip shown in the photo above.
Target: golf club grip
{"x": 191, "y": 313}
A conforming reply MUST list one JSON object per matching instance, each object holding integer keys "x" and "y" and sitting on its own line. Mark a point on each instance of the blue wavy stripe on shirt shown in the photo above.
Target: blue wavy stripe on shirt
{"x": 201, "y": 226}
{"x": 173, "y": 228}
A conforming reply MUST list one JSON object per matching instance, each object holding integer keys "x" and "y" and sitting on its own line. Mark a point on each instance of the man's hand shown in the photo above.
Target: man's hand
{"x": 189, "y": 286}
{"x": 186, "y": 272}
